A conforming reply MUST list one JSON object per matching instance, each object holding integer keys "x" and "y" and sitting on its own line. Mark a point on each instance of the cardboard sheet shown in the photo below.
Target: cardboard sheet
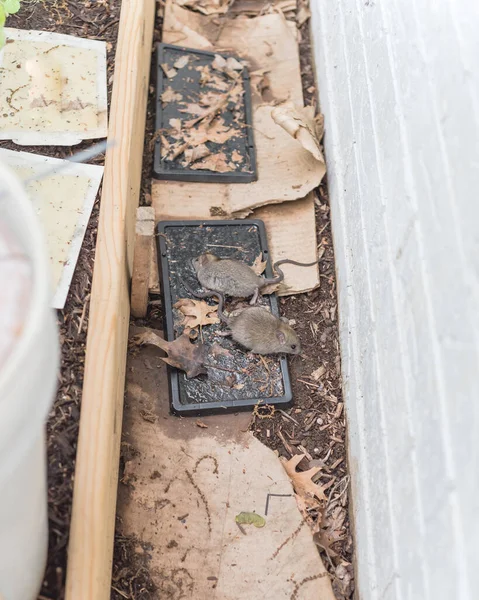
{"x": 268, "y": 43}
{"x": 287, "y": 171}
{"x": 63, "y": 204}
{"x": 52, "y": 88}
{"x": 183, "y": 489}
{"x": 280, "y": 220}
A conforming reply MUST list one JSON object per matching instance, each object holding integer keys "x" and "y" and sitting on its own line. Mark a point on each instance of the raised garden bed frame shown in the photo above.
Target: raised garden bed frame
{"x": 92, "y": 529}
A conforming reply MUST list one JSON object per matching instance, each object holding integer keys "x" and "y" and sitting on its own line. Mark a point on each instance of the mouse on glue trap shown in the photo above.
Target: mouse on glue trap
{"x": 235, "y": 278}
{"x": 255, "y": 328}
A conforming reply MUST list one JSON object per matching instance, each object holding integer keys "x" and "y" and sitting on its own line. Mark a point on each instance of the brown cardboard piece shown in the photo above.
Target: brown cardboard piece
{"x": 287, "y": 171}
{"x": 184, "y": 487}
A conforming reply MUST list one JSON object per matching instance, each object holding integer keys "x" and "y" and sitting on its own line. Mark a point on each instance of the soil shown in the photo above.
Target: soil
{"x": 97, "y": 20}
{"x": 315, "y": 426}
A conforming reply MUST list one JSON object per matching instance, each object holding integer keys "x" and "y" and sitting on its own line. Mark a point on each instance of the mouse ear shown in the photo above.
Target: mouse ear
{"x": 281, "y": 337}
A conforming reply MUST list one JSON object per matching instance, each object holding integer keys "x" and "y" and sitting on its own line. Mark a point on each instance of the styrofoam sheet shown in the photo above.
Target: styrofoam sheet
{"x": 63, "y": 202}
{"x": 53, "y": 88}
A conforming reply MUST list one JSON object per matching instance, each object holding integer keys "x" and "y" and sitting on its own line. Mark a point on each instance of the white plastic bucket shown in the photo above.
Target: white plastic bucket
{"x": 27, "y": 386}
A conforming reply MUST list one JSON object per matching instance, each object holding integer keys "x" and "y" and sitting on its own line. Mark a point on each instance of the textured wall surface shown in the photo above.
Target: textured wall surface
{"x": 399, "y": 87}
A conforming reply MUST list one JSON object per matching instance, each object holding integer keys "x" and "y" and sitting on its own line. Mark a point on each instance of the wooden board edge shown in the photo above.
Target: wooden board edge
{"x": 90, "y": 551}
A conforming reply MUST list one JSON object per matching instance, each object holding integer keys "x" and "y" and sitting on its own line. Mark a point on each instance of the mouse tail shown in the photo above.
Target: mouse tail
{"x": 279, "y": 278}
{"x": 209, "y": 295}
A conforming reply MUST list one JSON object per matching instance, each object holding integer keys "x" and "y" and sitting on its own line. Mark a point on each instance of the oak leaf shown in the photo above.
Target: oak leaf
{"x": 182, "y": 354}
{"x": 302, "y": 481}
{"x": 197, "y": 312}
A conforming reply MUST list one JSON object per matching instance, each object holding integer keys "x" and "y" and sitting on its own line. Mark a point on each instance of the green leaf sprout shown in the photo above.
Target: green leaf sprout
{"x": 7, "y": 7}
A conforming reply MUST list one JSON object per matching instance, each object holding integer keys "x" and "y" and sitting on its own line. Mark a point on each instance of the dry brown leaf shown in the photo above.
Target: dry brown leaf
{"x": 219, "y": 63}
{"x": 271, "y": 288}
{"x": 214, "y": 162}
{"x": 169, "y": 95}
{"x": 299, "y": 123}
{"x": 193, "y": 108}
{"x": 259, "y": 265}
{"x": 206, "y": 7}
{"x": 331, "y": 530}
{"x": 208, "y": 98}
{"x": 182, "y": 354}
{"x": 343, "y": 583}
{"x": 302, "y": 481}
{"x": 211, "y": 112}
{"x": 170, "y": 73}
{"x": 236, "y": 156}
{"x": 181, "y": 62}
{"x": 218, "y": 133}
{"x": 197, "y": 153}
{"x": 322, "y": 539}
{"x": 233, "y": 65}
{"x": 319, "y": 126}
{"x": 176, "y": 124}
{"x": 217, "y": 350}
{"x": 303, "y": 15}
{"x": 197, "y": 312}
{"x": 201, "y": 424}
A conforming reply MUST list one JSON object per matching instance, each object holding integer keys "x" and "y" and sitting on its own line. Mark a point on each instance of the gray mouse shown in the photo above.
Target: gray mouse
{"x": 255, "y": 328}
{"x": 235, "y": 278}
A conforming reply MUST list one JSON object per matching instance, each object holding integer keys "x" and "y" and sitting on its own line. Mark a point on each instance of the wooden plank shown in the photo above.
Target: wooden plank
{"x": 142, "y": 259}
{"x": 96, "y": 477}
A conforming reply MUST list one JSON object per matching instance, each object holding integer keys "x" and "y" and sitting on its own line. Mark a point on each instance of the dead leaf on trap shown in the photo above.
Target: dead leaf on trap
{"x": 170, "y": 73}
{"x": 233, "y": 64}
{"x": 193, "y": 108}
{"x": 197, "y": 312}
{"x": 259, "y": 265}
{"x": 169, "y": 95}
{"x": 299, "y": 123}
{"x": 236, "y": 156}
{"x": 249, "y": 518}
{"x": 218, "y": 133}
{"x": 201, "y": 424}
{"x": 214, "y": 162}
{"x": 176, "y": 124}
{"x": 181, "y": 62}
{"x": 302, "y": 481}
{"x": 217, "y": 350}
{"x": 230, "y": 65}
{"x": 197, "y": 153}
{"x": 219, "y": 63}
{"x": 271, "y": 288}
{"x": 206, "y": 7}
{"x": 182, "y": 354}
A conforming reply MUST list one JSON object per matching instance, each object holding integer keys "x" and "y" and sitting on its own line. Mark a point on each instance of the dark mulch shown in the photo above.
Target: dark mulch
{"x": 96, "y": 20}
{"x": 316, "y": 425}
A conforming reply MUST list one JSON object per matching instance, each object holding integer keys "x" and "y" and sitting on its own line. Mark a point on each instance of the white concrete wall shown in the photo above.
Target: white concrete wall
{"x": 399, "y": 87}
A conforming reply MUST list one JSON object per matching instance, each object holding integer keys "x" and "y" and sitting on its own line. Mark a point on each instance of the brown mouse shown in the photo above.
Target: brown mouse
{"x": 255, "y": 328}
{"x": 235, "y": 278}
